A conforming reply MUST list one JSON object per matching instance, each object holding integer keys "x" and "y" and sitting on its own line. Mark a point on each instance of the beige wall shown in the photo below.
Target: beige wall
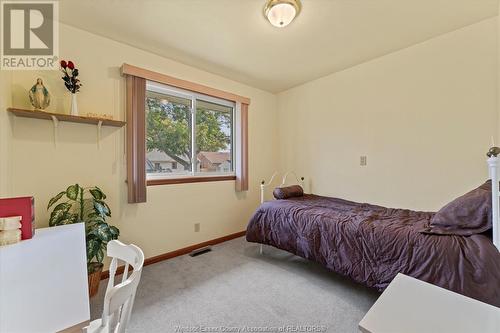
{"x": 166, "y": 221}
{"x": 423, "y": 116}
{"x": 498, "y": 74}
{"x": 5, "y": 132}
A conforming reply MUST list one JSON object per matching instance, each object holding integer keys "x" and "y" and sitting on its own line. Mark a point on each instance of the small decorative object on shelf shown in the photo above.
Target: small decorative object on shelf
{"x": 100, "y": 116}
{"x": 39, "y": 96}
{"x": 79, "y": 204}
{"x": 71, "y": 82}
{"x": 10, "y": 230}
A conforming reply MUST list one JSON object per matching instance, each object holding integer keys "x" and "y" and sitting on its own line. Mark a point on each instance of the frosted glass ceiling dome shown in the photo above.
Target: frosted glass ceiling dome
{"x": 281, "y": 13}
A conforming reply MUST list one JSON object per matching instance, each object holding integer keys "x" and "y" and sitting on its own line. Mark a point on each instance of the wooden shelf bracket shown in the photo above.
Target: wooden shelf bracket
{"x": 99, "y": 125}
{"x": 55, "y": 122}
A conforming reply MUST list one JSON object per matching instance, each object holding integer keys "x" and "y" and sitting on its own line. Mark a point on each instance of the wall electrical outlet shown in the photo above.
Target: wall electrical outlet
{"x": 362, "y": 161}
{"x": 196, "y": 227}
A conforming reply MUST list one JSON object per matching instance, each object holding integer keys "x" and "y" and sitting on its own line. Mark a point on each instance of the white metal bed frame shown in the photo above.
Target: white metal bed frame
{"x": 494, "y": 164}
{"x": 264, "y": 185}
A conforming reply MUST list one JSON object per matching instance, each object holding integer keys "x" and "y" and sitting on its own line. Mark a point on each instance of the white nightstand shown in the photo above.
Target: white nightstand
{"x": 412, "y": 306}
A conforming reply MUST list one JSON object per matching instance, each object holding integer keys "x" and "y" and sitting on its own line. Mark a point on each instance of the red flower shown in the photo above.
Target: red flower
{"x": 63, "y": 64}
{"x": 71, "y": 65}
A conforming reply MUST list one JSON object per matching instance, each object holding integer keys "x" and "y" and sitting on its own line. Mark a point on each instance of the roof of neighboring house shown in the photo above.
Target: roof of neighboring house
{"x": 216, "y": 157}
{"x": 158, "y": 156}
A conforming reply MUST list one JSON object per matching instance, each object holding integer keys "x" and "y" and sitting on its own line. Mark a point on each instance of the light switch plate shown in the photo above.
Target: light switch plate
{"x": 362, "y": 161}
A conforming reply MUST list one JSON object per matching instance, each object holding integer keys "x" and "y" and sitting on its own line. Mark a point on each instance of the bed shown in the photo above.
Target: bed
{"x": 371, "y": 244}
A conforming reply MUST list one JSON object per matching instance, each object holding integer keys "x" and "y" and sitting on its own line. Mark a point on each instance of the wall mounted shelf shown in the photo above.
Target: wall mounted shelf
{"x": 57, "y": 117}
{"x": 65, "y": 117}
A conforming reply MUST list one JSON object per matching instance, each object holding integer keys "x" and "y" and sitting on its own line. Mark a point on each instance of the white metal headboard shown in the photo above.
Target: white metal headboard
{"x": 263, "y": 184}
{"x": 493, "y": 164}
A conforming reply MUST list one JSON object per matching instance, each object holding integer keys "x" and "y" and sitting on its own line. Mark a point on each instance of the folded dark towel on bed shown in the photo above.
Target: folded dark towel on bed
{"x": 288, "y": 192}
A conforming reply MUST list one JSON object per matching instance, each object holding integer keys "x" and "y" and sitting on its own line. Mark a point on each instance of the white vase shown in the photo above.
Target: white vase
{"x": 74, "y": 105}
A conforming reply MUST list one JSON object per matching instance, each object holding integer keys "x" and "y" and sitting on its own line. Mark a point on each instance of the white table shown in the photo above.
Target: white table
{"x": 413, "y": 306}
{"x": 43, "y": 281}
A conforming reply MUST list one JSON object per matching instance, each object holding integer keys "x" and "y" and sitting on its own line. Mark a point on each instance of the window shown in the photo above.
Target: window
{"x": 194, "y": 131}
{"x": 181, "y": 132}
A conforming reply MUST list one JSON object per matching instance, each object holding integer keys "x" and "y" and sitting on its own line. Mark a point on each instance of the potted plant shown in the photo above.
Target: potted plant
{"x": 79, "y": 204}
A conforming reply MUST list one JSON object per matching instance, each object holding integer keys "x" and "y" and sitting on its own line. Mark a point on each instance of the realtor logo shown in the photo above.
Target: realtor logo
{"x": 30, "y": 35}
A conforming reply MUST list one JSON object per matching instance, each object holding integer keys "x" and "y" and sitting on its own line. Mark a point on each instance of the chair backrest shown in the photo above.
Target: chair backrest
{"x": 119, "y": 298}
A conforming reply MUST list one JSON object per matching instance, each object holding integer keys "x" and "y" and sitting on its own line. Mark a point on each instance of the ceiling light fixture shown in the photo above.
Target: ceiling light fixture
{"x": 281, "y": 13}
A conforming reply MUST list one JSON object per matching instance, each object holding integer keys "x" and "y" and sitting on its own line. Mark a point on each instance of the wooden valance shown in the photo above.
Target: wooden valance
{"x": 183, "y": 84}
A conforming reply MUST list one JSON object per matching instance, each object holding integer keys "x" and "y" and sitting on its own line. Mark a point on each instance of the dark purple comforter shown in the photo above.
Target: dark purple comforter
{"x": 371, "y": 244}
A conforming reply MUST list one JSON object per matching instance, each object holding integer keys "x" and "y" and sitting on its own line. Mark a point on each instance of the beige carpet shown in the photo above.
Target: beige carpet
{"x": 234, "y": 289}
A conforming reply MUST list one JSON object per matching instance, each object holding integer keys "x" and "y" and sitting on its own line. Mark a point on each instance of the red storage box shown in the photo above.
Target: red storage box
{"x": 22, "y": 206}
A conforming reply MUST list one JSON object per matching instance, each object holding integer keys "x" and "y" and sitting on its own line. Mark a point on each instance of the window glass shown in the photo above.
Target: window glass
{"x": 174, "y": 147}
{"x": 168, "y": 135}
{"x": 214, "y": 144}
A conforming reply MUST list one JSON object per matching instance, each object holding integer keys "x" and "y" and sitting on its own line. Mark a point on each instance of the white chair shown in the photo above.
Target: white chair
{"x": 119, "y": 298}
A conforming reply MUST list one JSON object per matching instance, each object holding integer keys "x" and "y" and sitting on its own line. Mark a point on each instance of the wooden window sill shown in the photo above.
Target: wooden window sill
{"x": 185, "y": 180}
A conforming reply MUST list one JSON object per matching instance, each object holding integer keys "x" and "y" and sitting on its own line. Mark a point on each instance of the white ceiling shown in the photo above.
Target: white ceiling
{"x": 233, "y": 39}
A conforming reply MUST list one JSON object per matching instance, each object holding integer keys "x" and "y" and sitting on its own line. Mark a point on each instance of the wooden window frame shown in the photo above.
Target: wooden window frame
{"x": 136, "y": 132}
{"x": 186, "y": 180}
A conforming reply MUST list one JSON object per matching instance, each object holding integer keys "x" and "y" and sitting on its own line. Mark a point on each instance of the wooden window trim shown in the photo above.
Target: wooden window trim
{"x": 136, "y": 132}
{"x": 186, "y": 180}
{"x": 183, "y": 84}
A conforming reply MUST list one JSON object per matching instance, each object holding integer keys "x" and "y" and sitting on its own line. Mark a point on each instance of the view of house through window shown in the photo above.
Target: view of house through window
{"x": 176, "y": 147}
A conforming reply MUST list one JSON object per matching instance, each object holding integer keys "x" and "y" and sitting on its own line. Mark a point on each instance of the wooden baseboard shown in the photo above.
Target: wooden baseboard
{"x": 179, "y": 252}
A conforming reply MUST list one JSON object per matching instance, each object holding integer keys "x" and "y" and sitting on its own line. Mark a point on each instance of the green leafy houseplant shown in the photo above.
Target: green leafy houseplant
{"x": 85, "y": 204}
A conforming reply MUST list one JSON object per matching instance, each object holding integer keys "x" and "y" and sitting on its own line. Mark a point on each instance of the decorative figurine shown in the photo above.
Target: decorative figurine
{"x": 39, "y": 95}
